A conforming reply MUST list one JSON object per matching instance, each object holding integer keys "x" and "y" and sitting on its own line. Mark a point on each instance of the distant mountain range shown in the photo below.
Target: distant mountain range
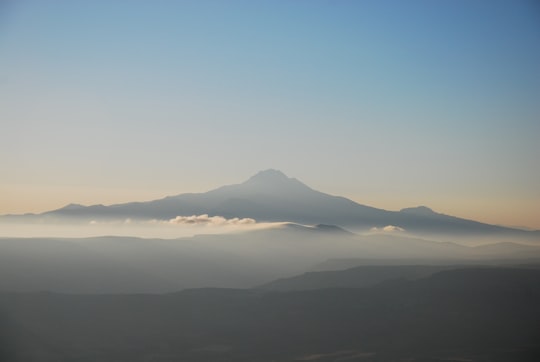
{"x": 271, "y": 196}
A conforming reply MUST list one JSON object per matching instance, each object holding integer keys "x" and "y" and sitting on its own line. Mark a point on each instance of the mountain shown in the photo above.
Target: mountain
{"x": 267, "y": 196}
{"x": 271, "y": 196}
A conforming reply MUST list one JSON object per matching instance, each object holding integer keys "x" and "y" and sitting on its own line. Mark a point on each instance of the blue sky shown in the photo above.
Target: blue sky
{"x": 390, "y": 103}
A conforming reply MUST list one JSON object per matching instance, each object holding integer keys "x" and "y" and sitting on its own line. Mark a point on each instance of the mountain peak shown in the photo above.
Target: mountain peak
{"x": 269, "y": 175}
{"x": 274, "y": 180}
{"x": 72, "y": 206}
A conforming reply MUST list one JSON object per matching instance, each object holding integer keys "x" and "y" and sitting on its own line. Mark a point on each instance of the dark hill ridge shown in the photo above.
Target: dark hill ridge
{"x": 357, "y": 277}
{"x": 271, "y": 196}
{"x": 456, "y": 315}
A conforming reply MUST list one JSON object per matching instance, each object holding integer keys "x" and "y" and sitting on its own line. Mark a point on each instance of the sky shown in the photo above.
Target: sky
{"x": 390, "y": 103}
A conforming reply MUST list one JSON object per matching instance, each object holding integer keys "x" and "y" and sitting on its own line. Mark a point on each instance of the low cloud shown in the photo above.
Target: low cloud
{"x": 387, "y": 229}
{"x": 193, "y": 220}
{"x": 177, "y": 227}
{"x": 204, "y": 219}
{"x": 111, "y": 222}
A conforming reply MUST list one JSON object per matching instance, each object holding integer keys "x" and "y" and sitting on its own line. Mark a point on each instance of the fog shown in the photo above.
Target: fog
{"x": 152, "y": 228}
{"x": 201, "y": 251}
{"x": 210, "y": 289}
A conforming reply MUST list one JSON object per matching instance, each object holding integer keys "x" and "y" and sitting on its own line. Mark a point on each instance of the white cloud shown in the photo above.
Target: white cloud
{"x": 387, "y": 229}
{"x": 111, "y": 222}
{"x": 193, "y": 220}
{"x": 204, "y": 219}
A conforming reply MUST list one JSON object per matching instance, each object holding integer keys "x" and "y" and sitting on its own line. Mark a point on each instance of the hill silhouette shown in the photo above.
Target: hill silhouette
{"x": 456, "y": 315}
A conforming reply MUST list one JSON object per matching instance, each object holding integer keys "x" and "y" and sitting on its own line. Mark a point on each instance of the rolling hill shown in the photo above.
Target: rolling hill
{"x": 455, "y": 315}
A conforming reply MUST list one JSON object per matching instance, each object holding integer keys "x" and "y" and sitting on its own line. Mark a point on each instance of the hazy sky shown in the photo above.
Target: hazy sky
{"x": 390, "y": 103}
